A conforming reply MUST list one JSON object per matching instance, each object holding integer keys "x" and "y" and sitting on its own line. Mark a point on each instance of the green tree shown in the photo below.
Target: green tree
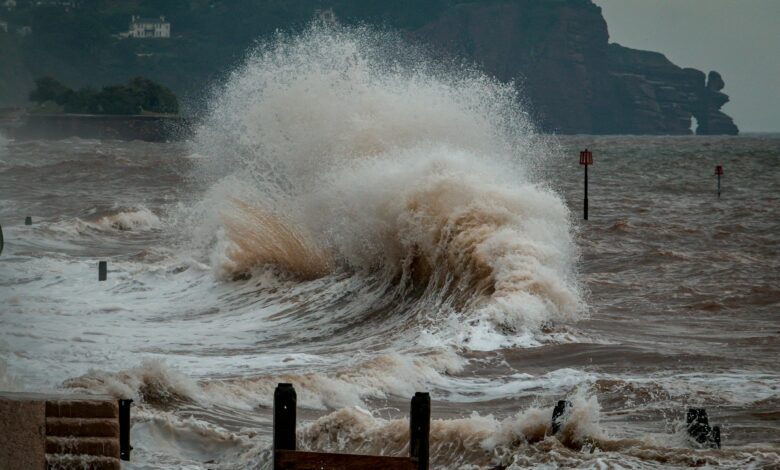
{"x": 138, "y": 96}
{"x": 49, "y": 89}
{"x": 153, "y": 97}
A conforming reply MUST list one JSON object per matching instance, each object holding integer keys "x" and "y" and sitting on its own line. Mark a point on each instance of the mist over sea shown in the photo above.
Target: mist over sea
{"x": 365, "y": 223}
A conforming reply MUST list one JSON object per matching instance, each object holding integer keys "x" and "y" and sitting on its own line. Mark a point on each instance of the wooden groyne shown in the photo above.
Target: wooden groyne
{"x": 286, "y": 457}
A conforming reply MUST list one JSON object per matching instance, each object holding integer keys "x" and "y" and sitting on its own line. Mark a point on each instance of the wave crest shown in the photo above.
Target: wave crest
{"x": 137, "y": 219}
{"x": 259, "y": 238}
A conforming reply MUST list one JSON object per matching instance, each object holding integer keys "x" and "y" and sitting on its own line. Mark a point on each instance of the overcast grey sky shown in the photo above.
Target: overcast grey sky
{"x": 738, "y": 38}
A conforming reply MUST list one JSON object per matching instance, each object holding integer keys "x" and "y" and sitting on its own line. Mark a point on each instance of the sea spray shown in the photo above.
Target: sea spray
{"x": 331, "y": 152}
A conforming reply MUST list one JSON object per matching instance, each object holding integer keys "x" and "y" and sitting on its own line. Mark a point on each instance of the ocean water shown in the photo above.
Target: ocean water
{"x": 366, "y": 224}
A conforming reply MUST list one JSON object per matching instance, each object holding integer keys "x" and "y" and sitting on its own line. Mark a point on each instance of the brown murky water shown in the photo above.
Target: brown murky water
{"x": 680, "y": 308}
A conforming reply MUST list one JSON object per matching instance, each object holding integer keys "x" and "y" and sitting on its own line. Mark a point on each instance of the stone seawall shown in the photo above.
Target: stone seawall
{"x": 92, "y": 126}
{"x": 48, "y": 432}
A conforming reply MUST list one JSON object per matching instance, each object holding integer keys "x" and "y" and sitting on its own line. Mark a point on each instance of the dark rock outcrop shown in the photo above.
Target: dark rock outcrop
{"x": 708, "y": 114}
{"x": 654, "y": 96}
{"x": 650, "y": 95}
{"x": 556, "y": 51}
{"x": 574, "y": 80}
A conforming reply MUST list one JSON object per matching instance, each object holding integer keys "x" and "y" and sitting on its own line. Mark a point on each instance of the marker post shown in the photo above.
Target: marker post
{"x": 719, "y": 173}
{"x": 586, "y": 159}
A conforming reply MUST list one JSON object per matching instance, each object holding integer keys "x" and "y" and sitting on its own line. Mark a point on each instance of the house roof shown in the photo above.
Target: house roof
{"x": 149, "y": 20}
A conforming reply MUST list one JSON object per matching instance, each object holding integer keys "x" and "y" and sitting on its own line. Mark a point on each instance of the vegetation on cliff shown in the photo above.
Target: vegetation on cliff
{"x": 139, "y": 96}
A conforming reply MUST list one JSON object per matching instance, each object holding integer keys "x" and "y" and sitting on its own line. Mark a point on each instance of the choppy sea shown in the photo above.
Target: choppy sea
{"x": 364, "y": 229}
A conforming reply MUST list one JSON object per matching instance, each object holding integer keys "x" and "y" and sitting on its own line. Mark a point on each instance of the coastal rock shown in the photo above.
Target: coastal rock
{"x": 574, "y": 80}
{"x": 555, "y": 51}
{"x": 711, "y": 119}
{"x": 715, "y": 81}
{"x": 649, "y": 94}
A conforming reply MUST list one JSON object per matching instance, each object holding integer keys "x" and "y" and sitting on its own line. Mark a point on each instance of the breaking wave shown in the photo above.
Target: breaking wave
{"x": 331, "y": 151}
{"x": 139, "y": 218}
{"x": 134, "y": 219}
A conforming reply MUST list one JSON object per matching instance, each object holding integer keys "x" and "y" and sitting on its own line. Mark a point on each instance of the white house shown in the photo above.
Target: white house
{"x": 326, "y": 16}
{"x": 149, "y": 28}
{"x": 67, "y": 4}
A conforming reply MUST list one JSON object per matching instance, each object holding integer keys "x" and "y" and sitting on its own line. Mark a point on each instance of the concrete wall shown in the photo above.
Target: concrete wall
{"x": 22, "y": 433}
{"x": 39, "y": 432}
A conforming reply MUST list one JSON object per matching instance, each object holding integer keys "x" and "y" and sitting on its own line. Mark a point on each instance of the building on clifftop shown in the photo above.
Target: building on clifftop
{"x": 142, "y": 28}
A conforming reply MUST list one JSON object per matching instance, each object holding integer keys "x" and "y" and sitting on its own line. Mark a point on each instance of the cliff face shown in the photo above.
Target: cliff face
{"x": 651, "y": 95}
{"x": 557, "y": 51}
{"x": 574, "y": 80}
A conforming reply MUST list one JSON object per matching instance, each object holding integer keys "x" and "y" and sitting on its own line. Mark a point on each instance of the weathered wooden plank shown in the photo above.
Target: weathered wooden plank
{"x": 299, "y": 460}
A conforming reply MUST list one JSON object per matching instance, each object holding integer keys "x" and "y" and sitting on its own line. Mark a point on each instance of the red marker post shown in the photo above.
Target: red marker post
{"x": 719, "y": 172}
{"x": 586, "y": 158}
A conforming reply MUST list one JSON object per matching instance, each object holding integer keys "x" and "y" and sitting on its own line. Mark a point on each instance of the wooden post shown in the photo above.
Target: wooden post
{"x": 420, "y": 426}
{"x": 124, "y": 429}
{"x": 698, "y": 424}
{"x": 715, "y": 437}
{"x": 102, "y": 270}
{"x": 558, "y": 412}
{"x": 285, "y": 403}
{"x": 28, "y": 220}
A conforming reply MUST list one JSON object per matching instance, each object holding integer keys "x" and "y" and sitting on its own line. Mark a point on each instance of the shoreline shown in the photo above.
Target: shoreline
{"x": 150, "y": 128}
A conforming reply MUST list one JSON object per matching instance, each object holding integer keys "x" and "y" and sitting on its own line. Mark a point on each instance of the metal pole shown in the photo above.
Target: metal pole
{"x": 585, "y": 208}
